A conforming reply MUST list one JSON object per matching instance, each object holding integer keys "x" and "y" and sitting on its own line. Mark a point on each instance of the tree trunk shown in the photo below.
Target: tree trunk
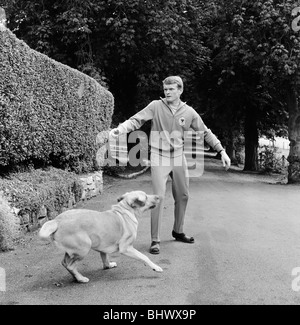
{"x": 294, "y": 137}
{"x": 231, "y": 149}
{"x": 251, "y": 139}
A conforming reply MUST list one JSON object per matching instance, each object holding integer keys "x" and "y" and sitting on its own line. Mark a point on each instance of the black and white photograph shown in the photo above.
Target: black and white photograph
{"x": 149, "y": 155}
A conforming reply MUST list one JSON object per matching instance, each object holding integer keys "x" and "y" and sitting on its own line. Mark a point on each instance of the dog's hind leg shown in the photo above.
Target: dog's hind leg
{"x": 70, "y": 263}
{"x": 106, "y": 263}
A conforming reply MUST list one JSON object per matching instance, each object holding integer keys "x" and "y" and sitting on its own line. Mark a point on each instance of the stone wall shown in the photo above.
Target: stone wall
{"x": 30, "y": 218}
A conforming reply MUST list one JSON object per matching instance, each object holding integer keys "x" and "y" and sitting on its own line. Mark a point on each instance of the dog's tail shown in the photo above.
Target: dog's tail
{"x": 48, "y": 229}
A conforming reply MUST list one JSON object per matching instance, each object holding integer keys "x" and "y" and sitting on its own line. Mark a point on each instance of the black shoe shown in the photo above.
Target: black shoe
{"x": 154, "y": 249}
{"x": 182, "y": 237}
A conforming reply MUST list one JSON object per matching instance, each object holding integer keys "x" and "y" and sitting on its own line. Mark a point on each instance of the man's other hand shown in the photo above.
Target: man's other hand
{"x": 225, "y": 160}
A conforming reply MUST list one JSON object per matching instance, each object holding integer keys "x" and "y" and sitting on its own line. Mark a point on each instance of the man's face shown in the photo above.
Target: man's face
{"x": 172, "y": 93}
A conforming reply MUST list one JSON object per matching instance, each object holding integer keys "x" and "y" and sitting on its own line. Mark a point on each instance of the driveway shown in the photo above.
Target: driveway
{"x": 247, "y": 244}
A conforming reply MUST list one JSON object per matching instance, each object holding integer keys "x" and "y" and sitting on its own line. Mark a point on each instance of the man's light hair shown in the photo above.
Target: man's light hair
{"x": 174, "y": 80}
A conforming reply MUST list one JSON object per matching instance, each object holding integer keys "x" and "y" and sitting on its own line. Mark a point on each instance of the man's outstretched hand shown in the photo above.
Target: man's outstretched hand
{"x": 225, "y": 160}
{"x": 114, "y": 133}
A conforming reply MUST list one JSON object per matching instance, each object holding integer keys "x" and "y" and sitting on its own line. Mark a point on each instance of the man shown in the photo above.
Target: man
{"x": 171, "y": 118}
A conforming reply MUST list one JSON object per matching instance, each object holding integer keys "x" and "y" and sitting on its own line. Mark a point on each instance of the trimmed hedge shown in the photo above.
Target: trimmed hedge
{"x": 50, "y": 114}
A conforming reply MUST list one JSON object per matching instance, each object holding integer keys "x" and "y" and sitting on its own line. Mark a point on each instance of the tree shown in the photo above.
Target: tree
{"x": 131, "y": 45}
{"x": 279, "y": 52}
{"x": 146, "y": 41}
{"x": 254, "y": 56}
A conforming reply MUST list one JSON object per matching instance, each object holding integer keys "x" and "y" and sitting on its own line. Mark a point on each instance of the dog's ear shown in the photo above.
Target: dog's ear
{"x": 133, "y": 199}
{"x": 137, "y": 203}
{"x": 121, "y": 197}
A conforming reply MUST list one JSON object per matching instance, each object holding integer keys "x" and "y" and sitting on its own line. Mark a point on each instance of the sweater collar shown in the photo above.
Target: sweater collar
{"x": 166, "y": 103}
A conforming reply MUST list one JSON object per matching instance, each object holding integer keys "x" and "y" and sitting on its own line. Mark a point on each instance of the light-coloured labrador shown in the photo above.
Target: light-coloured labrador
{"x": 79, "y": 230}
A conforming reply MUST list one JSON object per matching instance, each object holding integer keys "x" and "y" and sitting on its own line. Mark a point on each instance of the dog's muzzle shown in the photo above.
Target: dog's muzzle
{"x": 156, "y": 200}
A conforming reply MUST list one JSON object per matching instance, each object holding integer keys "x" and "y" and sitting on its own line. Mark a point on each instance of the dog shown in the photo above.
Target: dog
{"x": 77, "y": 231}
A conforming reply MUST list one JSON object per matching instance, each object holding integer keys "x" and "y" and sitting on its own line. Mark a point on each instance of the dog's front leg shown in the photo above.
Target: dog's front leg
{"x": 106, "y": 263}
{"x": 134, "y": 253}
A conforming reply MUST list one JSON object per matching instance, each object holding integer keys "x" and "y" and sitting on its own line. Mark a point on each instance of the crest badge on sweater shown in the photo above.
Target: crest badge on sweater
{"x": 182, "y": 121}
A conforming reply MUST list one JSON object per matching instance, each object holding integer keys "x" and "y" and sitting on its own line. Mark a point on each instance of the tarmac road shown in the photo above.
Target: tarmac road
{"x": 247, "y": 242}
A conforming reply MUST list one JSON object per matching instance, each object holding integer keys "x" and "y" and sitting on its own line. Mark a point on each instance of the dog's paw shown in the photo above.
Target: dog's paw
{"x": 157, "y": 268}
{"x": 112, "y": 265}
{"x": 82, "y": 279}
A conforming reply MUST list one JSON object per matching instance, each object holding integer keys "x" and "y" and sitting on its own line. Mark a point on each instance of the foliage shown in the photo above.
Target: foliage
{"x": 269, "y": 160}
{"x": 54, "y": 118}
{"x": 254, "y": 59}
{"x": 130, "y": 45}
{"x": 50, "y": 187}
{"x": 245, "y": 46}
{"x": 114, "y": 170}
{"x": 149, "y": 40}
{"x": 238, "y": 58}
{"x": 9, "y": 226}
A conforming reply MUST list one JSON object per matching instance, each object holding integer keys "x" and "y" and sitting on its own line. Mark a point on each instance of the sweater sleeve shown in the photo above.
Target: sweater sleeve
{"x": 137, "y": 120}
{"x": 199, "y": 126}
